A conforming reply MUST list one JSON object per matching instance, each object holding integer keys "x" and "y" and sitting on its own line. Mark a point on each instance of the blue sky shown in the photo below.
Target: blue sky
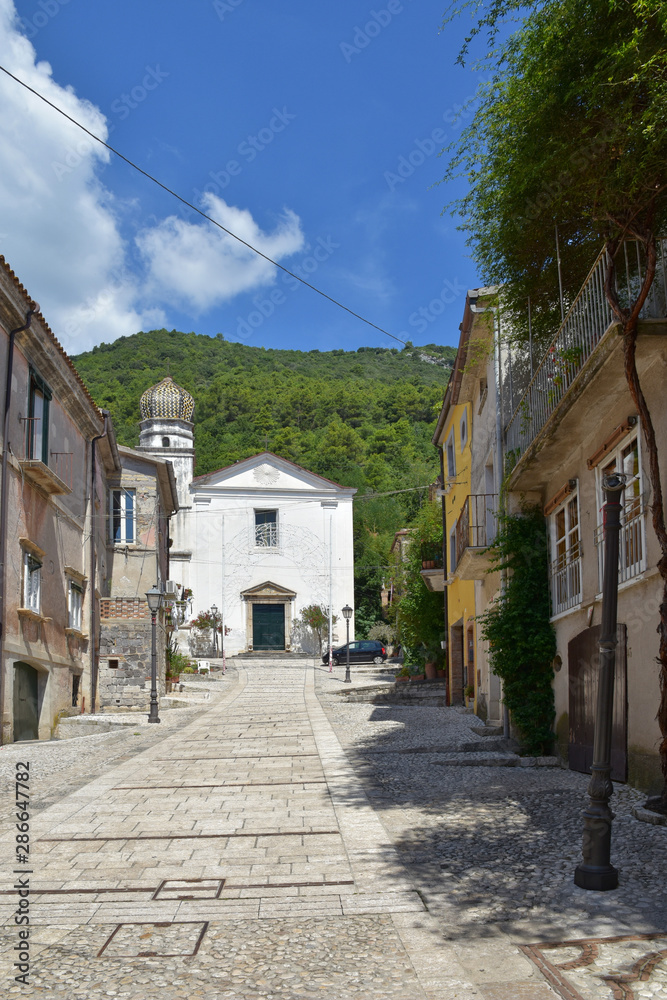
{"x": 308, "y": 128}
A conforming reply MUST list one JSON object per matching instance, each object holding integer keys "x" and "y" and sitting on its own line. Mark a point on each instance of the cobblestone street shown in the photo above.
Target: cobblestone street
{"x": 283, "y": 842}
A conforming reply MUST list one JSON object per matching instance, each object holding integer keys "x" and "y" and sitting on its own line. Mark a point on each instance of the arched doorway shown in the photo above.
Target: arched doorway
{"x": 26, "y": 702}
{"x": 583, "y": 655}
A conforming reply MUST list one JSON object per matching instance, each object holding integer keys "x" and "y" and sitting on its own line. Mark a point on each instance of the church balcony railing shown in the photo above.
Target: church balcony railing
{"x": 266, "y": 536}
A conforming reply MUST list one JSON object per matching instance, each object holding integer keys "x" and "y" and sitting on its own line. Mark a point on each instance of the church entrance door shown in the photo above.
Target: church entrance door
{"x": 268, "y": 626}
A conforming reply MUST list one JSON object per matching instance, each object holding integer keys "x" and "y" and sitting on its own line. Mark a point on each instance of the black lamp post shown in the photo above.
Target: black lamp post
{"x": 347, "y": 614}
{"x": 597, "y": 872}
{"x": 154, "y": 599}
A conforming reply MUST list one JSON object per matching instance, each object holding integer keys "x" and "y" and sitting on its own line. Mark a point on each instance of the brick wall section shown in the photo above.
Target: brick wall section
{"x": 124, "y": 608}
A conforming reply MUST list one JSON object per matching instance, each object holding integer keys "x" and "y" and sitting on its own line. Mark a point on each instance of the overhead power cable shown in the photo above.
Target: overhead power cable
{"x": 194, "y": 208}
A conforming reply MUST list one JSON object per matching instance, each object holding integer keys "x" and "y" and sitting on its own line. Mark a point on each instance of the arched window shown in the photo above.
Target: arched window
{"x": 165, "y": 442}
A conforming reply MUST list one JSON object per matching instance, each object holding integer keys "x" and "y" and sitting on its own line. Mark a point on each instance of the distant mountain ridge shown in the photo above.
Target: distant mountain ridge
{"x": 363, "y": 418}
{"x": 245, "y": 395}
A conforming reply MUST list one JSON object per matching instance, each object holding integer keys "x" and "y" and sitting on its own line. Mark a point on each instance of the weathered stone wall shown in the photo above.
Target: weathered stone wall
{"x": 128, "y": 686}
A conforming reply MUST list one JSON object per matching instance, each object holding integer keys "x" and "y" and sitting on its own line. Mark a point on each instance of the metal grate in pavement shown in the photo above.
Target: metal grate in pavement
{"x": 195, "y": 836}
{"x": 148, "y": 940}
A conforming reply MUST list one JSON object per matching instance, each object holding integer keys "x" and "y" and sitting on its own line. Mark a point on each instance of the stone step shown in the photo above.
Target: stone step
{"x": 490, "y": 744}
{"x": 487, "y": 730}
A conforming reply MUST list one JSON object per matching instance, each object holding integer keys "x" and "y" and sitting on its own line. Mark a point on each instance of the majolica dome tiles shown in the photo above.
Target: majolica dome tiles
{"x": 167, "y": 401}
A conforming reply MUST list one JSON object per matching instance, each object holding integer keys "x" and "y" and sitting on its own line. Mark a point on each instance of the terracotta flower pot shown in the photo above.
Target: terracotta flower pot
{"x": 431, "y": 671}
{"x": 441, "y": 674}
{"x": 402, "y": 680}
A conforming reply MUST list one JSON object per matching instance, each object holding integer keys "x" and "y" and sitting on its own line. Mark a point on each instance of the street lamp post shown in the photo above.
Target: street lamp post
{"x": 154, "y": 599}
{"x": 597, "y": 872}
{"x": 347, "y": 614}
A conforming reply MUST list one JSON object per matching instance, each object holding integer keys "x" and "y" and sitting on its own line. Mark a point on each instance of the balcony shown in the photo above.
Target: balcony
{"x": 565, "y": 575}
{"x": 572, "y": 349}
{"x": 431, "y": 571}
{"x": 631, "y": 546}
{"x": 266, "y": 535}
{"x": 54, "y": 478}
{"x": 475, "y": 532}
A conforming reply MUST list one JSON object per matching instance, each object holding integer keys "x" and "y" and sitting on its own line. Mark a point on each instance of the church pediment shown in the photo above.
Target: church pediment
{"x": 266, "y": 473}
{"x": 268, "y": 591}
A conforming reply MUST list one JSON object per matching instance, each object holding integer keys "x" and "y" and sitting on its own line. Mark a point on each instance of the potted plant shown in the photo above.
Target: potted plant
{"x": 418, "y": 675}
{"x": 469, "y": 692}
{"x": 403, "y": 675}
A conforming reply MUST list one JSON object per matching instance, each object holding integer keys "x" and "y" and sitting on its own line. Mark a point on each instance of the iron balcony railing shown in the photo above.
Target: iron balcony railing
{"x": 631, "y": 547}
{"x": 431, "y": 556}
{"x": 566, "y": 581}
{"x": 587, "y": 320}
{"x": 266, "y": 535}
{"x": 476, "y": 526}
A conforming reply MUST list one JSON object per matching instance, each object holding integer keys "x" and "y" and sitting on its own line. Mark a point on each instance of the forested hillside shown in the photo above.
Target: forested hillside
{"x": 363, "y": 418}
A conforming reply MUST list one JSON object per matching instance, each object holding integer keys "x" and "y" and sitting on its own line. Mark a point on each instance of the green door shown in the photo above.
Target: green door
{"x": 26, "y": 711}
{"x": 268, "y": 626}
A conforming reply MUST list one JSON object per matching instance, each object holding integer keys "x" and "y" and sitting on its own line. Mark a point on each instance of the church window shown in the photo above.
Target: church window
{"x": 123, "y": 504}
{"x": 266, "y": 528}
{"x": 165, "y": 442}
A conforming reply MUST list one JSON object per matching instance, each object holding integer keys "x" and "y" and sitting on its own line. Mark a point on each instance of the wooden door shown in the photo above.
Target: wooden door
{"x": 26, "y": 707}
{"x": 583, "y": 656}
{"x": 456, "y": 665}
{"x": 268, "y": 626}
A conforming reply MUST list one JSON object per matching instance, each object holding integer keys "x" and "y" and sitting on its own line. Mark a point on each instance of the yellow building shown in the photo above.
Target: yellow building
{"x": 452, "y": 437}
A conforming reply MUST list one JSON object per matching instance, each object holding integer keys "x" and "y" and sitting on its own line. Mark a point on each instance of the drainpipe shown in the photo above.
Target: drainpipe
{"x": 4, "y": 490}
{"x": 93, "y": 563}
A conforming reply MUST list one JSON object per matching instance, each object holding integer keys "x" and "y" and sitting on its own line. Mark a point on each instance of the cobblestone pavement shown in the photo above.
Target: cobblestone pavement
{"x": 283, "y": 843}
{"x": 492, "y": 851}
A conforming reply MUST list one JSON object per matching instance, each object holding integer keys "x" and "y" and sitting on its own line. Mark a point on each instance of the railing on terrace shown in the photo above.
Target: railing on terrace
{"x": 476, "y": 526}
{"x": 631, "y": 547}
{"x": 579, "y": 334}
{"x": 565, "y": 576}
{"x": 431, "y": 556}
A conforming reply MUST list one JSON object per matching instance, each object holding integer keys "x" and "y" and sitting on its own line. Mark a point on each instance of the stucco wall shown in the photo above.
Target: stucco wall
{"x": 226, "y": 561}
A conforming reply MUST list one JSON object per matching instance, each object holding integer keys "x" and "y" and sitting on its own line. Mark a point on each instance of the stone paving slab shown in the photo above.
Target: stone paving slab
{"x": 283, "y": 843}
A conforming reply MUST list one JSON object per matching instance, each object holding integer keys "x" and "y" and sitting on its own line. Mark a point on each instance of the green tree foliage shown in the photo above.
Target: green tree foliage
{"x": 570, "y": 131}
{"x": 316, "y": 618}
{"x": 362, "y": 418}
{"x": 522, "y": 642}
{"x": 420, "y": 619}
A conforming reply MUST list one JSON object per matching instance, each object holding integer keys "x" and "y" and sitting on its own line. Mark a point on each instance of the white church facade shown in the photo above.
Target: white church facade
{"x": 260, "y": 540}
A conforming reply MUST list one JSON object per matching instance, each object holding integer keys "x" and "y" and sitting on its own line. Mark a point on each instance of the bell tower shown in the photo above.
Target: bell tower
{"x": 167, "y": 431}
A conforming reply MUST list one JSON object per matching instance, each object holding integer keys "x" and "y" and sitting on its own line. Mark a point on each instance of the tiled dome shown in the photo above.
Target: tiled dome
{"x": 166, "y": 400}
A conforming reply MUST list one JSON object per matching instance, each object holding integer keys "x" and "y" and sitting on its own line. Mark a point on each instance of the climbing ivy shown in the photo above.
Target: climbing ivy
{"x": 522, "y": 642}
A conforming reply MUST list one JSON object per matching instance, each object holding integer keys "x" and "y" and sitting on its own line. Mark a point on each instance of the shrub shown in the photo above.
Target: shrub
{"x": 177, "y": 663}
{"x": 522, "y": 642}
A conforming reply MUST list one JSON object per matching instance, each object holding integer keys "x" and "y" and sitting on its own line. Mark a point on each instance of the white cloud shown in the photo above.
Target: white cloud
{"x": 60, "y": 227}
{"x": 197, "y": 266}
